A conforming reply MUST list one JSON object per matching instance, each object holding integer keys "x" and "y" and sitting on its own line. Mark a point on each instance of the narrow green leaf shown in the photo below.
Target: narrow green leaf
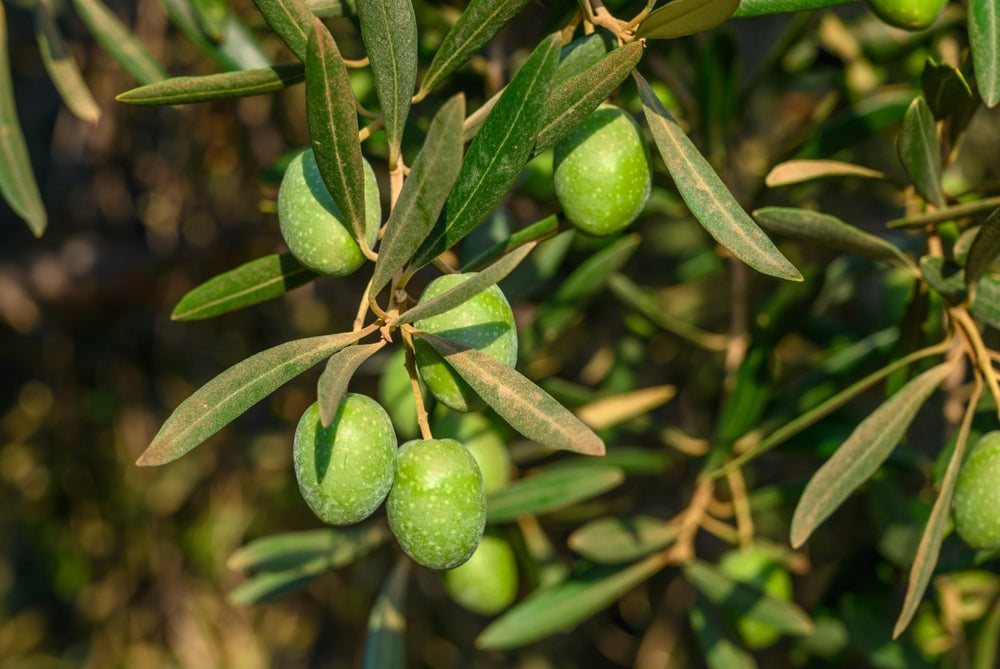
{"x": 211, "y": 16}
{"x": 229, "y": 394}
{"x": 945, "y": 277}
{"x": 829, "y": 232}
{"x": 116, "y": 39}
{"x": 685, "y": 17}
{"x": 538, "y": 231}
{"x": 613, "y": 540}
{"x": 984, "y": 38}
{"x": 251, "y": 283}
{"x": 17, "y": 182}
{"x": 238, "y": 50}
{"x": 550, "y": 491}
{"x": 576, "y": 98}
{"x": 864, "y": 451}
{"x": 333, "y": 128}
{"x": 423, "y": 194}
{"x": 385, "y": 640}
{"x": 743, "y": 599}
{"x": 62, "y": 67}
{"x": 526, "y": 407}
{"x": 291, "y": 20}
{"x": 221, "y": 86}
{"x": 984, "y": 250}
{"x": 986, "y": 305}
{"x": 332, "y": 385}
{"x": 497, "y": 154}
{"x": 468, "y": 289}
{"x": 707, "y": 197}
{"x": 272, "y": 584}
{"x": 797, "y": 171}
{"x": 581, "y": 54}
{"x": 338, "y": 547}
{"x": 717, "y": 639}
{"x": 331, "y": 8}
{"x": 562, "y": 606}
{"x": 947, "y": 92}
{"x": 920, "y": 151}
{"x": 477, "y": 25}
{"x": 765, "y": 7}
{"x": 389, "y": 31}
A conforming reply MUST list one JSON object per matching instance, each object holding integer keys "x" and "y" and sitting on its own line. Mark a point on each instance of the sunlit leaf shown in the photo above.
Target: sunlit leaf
{"x": 291, "y": 20}
{"x": 707, "y": 197}
{"x": 326, "y": 8}
{"x": 717, "y": 638}
{"x": 338, "y": 547}
{"x": 229, "y": 394}
{"x": 863, "y": 452}
{"x": 550, "y": 491}
{"x": 116, "y": 39}
{"x": 685, "y": 17}
{"x": 385, "y": 639}
{"x": 538, "y": 231}
{"x": 610, "y": 411}
{"x": 984, "y": 250}
{"x": 562, "y": 606}
{"x": 497, "y": 154}
{"x": 614, "y": 539}
{"x": 797, "y": 171}
{"x": 17, "y": 181}
{"x": 239, "y": 48}
{"x": 62, "y": 67}
{"x": 333, "y": 129}
{"x": 224, "y": 85}
{"x": 920, "y": 151}
{"x": 764, "y": 7}
{"x": 270, "y": 585}
{"x": 526, "y": 407}
{"x": 332, "y": 385}
{"x": 478, "y": 24}
{"x": 389, "y": 31}
{"x": 984, "y": 38}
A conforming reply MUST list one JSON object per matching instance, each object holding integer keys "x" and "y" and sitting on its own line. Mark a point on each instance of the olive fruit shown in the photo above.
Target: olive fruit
{"x": 976, "y": 505}
{"x": 753, "y": 566}
{"x": 602, "y": 172}
{"x": 437, "y": 505}
{"x": 345, "y": 470}
{"x": 487, "y": 582}
{"x": 485, "y": 322}
{"x": 907, "y": 14}
{"x": 478, "y": 434}
{"x": 313, "y": 227}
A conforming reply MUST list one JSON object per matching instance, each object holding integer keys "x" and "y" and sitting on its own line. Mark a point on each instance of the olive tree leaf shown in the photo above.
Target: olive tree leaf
{"x": 221, "y": 86}
{"x": 576, "y": 98}
{"x": 565, "y": 604}
{"x": 478, "y": 24}
{"x": 333, "y": 129}
{"x": 270, "y": 585}
{"x": 62, "y": 67}
{"x": 118, "y": 41}
{"x": 746, "y": 600}
{"x": 707, "y": 197}
{"x": 614, "y": 539}
{"x": 550, "y": 491}
{"x": 764, "y": 7}
{"x": 212, "y": 16}
{"x": 829, "y": 232}
{"x": 332, "y": 384}
{"x": 229, "y": 394}
{"x": 526, "y": 407}
{"x": 685, "y": 17}
{"x": 239, "y": 48}
{"x": 251, "y": 283}
{"x": 862, "y": 453}
{"x": 984, "y": 250}
{"x": 606, "y": 412}
{"x": 385, "y": 640}
{"x": 466, "y": 290}
{"x": 327, "y": 8}
{"x": 17, "y": 182}
{"x": 920, "y": 151}
{"x": 947, "y": 92}
{"x": 423, "y": 194}
{"x": 984, "y": 38}
{"x": 338, "y": 547}
{"x": 497, "y": 154}
{"x": 291, "y": 20}
{"x": 797, "y": 171}
{"x": 389, "y": 31}
{"x": 717, "y": 638}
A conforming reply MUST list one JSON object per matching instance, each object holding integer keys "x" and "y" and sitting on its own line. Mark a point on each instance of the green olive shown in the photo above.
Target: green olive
{"x": 312, "y": 225}
{"x": 437, "y": 505}
{"x": 907, "y": 14}
{"x": 345, "y": 470}
{"x": 487, "y": 582}
{"x": 753, "y": 566}
{"x": 976, "y": 505}
{"x": 602, "y": 172}
{"x": 485, "y": 322}
{"x": 478, "y": 434}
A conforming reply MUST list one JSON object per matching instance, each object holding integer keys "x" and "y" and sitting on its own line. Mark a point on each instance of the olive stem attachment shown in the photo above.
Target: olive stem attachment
{"x": 418, "y": 396}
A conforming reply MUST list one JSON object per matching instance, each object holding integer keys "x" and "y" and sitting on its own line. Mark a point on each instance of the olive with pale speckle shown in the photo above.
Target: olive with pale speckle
{"x": 976, "y": 505}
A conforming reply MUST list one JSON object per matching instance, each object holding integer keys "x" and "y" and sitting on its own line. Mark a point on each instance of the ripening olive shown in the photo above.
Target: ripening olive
{"x": 478, "y": 434}
{"x": 312, "y": 225}
{"x": 976, "y": 505}
{"x": 345, "y": 470}
{"x": 487, "y": 582}
{"x": 602, "y": 172}
{"x": 907, "y": 14}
